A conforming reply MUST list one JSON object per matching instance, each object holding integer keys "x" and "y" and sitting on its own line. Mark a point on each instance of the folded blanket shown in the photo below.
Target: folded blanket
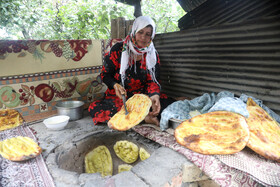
{"x": 230, "y": 104}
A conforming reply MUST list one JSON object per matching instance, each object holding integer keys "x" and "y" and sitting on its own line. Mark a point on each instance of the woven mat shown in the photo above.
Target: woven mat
{"x": 32, "y": 172}
{"x": 243, "y": 169}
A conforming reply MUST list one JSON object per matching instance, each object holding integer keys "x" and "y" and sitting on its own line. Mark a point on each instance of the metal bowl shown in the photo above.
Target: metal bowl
{"x": 73, "y": 109}
{"x": 174, "y": 123}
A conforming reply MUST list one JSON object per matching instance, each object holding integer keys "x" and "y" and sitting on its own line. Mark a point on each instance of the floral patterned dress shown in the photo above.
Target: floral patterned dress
{"x": 138, "y": 80}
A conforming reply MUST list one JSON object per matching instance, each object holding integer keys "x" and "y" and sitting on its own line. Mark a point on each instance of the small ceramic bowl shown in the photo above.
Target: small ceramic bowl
{"x": 56, "y": 122}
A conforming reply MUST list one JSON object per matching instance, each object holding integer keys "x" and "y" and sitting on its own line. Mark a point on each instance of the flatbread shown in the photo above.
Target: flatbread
{"x": 219, "y": 132}
{"x": 143, "y": 154}
{"x": 124, "y": 167}
{"x": 9, "y": 118}
{"x": 138, "y": 107}
{"x": 99, "y": 160}
{"x": 126, "y": 151}
{"x": 264, "y": 132}
{"x": 19, "y": 148}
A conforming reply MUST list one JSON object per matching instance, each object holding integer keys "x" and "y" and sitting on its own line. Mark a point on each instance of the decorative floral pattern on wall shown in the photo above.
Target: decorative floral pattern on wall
{"x": 9, "y": 97}
{"x": 66, "y": 88}
{"x": 69, "y": 49}
{"x": 27, "y": 95}
{"x": 45, "y": 92}
{"x": 69, "y": 70}
{"x": 110, "y": 43}
{"x": 97, "y": 84}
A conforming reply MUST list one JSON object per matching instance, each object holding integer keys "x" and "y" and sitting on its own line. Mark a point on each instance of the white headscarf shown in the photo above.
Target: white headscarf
{"x": 130, "y": 51}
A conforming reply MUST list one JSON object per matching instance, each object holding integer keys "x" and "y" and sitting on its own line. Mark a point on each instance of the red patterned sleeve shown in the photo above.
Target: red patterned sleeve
{"x": 152, "y": 87}
{"x": 110, "y": 69}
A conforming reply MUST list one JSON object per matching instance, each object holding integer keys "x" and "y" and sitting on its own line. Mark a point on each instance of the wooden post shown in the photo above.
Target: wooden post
{"x": 121, "y": 27}
{"x": 128, "y": 26}
{"x": 137, "y": 9}
{"x": 114, "y": 28}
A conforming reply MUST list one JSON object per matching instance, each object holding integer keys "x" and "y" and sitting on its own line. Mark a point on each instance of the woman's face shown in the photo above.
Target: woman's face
{"x": 143, "y": 36}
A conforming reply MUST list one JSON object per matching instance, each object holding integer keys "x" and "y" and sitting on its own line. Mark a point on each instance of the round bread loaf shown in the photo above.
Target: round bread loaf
{"x": 138, "y": 107}
{"x": 218, "y": 132}
{"x": 264, "y": 132}
{"x": 99, "y": 160}
{"x": 19, "y": 148}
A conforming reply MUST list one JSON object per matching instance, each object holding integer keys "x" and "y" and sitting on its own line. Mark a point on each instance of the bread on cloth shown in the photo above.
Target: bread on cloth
{"x": 219, "y": 132}
{"x": 138, "y": 107}
{"x": 9, "y": 118}
{"x": 264, "y": 132}
{"x": 19, "y": 148}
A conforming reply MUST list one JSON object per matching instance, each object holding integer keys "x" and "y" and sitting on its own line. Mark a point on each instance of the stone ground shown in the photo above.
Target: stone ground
{"x": 165, "y": 167}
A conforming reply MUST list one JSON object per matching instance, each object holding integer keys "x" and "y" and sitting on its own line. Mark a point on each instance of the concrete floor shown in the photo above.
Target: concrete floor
{"x": 165, "y": 167}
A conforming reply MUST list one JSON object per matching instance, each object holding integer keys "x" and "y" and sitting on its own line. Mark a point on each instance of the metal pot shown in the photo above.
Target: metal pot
{"x": 174, "y": 123}
{"x": 73, "y": 109}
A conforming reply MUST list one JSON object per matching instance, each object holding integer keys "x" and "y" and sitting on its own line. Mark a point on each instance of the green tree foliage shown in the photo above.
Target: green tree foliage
{"x": 166, "y": 14}
{"x": 21, "y": 18}
{"x": 78, "y": 19}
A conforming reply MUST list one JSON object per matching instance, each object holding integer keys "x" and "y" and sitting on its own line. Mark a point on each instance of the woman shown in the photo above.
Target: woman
{"x": 135, "y": 64}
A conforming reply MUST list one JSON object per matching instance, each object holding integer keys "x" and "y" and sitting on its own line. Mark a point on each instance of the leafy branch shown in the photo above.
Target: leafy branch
{"x": 68, "y": 19}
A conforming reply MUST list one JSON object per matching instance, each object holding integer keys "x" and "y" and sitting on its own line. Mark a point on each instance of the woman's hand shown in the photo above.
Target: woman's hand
{"x": 155, "y": 105}
{"x": 119, "y": 90}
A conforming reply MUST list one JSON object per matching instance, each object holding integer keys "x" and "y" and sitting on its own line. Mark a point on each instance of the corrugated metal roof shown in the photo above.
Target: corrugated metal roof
{"x": 129, "y": 2}
{"x": 243, "y": 58}
{"x": 215, "y": 12}
{"x": 189, "y": 5}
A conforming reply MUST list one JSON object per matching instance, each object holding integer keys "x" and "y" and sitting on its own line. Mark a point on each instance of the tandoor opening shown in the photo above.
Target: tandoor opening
{"x": 72, "y": 158}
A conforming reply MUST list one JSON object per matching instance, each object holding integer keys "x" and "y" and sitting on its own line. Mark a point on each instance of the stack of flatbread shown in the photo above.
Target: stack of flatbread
{"x": 264, "y": 132}
{"x": 223, "y": 132}
{"x": 17, "y": 148}
{"x": 138, "y": 107}
{"x": 9, "y": 118}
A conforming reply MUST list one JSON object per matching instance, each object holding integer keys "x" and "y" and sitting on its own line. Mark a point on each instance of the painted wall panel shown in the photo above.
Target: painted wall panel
{"x": 45, "y": 57}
